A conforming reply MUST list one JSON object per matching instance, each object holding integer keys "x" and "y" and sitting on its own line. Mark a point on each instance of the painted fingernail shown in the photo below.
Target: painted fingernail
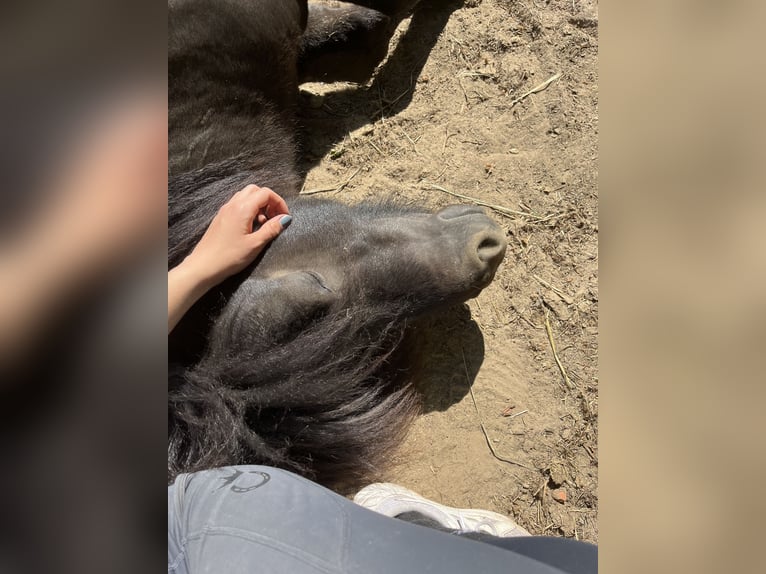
{"x": 285, "y": 221}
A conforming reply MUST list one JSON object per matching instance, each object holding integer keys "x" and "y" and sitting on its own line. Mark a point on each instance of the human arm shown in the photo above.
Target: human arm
{"x": 229, "y": 245}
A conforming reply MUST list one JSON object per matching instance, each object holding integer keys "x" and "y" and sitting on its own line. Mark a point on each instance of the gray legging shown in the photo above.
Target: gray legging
{"x": 261, "y": 519}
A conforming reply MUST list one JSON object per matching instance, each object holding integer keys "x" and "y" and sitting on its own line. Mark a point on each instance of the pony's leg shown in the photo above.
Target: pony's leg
{"x": 342, "y": 43}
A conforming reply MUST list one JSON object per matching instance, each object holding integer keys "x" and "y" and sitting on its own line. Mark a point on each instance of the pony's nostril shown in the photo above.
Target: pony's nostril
{"x": 491, "y": 250}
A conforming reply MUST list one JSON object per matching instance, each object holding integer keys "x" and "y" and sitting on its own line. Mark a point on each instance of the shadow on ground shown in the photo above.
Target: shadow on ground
{"x": 327, "y": 121}
{"x": 449, "y": 351}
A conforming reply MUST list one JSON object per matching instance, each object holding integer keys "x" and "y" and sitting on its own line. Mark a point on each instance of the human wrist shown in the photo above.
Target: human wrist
{"x": 197, "y": 274}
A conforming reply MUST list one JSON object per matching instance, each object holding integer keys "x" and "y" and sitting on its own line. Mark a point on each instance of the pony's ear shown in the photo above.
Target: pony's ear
{"x": 264, "y": 311}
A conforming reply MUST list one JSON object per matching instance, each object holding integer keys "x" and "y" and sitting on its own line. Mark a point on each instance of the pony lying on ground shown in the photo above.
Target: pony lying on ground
{"x": 301, "y": 360}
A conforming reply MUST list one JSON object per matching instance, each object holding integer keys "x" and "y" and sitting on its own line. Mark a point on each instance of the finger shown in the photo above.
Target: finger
{"x": 277, "y": 205}
{"x": 249, "y": 190}
{"x": 251, "y": 198}
{"x": 257, "y": 194}
{"x": 266, "y": 197}
{"x": 271, "y": 229}
{"x": 245, "y": 193}
{"x": 258, "y": 204}
{"x": 255, "y": 199}
{"x": 251, "y": 204}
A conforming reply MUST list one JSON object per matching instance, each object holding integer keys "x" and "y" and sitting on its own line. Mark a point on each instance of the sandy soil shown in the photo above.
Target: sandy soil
{"x": 450, "y": 111}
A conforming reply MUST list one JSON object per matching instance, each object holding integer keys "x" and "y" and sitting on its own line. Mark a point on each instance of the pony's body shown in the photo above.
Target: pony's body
{"x": 297, "y": 362}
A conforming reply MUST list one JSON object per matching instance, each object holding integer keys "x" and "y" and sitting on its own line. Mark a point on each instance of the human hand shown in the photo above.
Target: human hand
{"x": 230, "y": 244}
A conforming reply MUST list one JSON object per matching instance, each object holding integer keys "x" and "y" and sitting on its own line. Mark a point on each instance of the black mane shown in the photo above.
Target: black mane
{"x": 328, "y": 404}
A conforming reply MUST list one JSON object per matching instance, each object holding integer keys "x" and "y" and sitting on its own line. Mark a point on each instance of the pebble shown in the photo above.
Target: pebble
{"x": 558, "y": 474}
{"x": 559, "y": 495}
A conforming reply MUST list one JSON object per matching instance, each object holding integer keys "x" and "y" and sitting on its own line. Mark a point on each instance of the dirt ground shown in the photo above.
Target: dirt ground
{"x": 450, "y": 111}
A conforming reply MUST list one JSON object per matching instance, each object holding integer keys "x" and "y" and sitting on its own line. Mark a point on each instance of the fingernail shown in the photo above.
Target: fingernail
{"x": 285, "y": 221}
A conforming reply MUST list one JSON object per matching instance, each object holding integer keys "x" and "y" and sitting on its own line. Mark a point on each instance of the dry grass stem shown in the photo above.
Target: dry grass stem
{"x": 465, "y": 95}
{"x": 541, "y": 488}
{"x": 581, "y": 395}
{"x": 499, "y": 208}
{"x": 337, "y": 188}
{"x": 536, "y": 89}
{"x": 548, "y": 330}
{"x": 481, "y": 423}
{"x": 409, "y": 139}
{"x": 552, "y": 216}
{"x": 483, "y": 75}
{"x": 518, "y": 414}
{"x": 566, "y": 298}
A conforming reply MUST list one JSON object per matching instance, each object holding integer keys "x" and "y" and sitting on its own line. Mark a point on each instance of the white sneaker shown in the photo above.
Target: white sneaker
{"x": 393, "y": 500}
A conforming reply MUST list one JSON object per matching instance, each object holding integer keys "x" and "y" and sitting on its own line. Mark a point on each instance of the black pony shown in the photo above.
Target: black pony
{"x": 301, "y": 360}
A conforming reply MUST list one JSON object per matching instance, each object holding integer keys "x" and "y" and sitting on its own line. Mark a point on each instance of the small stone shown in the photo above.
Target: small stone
{"x": 337, "y": 151}
{"x": 559, "y": 495}
{"x": 513, "y": 150}
{"x": 558, "y": 474}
